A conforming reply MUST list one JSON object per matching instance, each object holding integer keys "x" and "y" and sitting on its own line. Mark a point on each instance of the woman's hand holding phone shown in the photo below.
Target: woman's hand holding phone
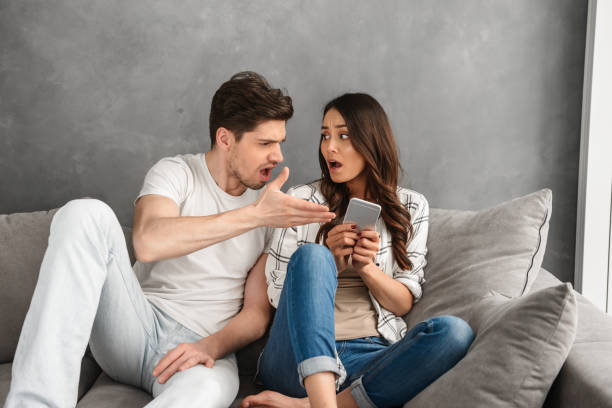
{"x": 366, "y": 247}
{"x": 340, "y": 240}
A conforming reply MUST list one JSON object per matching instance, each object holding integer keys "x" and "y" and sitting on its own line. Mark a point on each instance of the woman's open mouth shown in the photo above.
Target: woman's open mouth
{"x": 334, "y": 165}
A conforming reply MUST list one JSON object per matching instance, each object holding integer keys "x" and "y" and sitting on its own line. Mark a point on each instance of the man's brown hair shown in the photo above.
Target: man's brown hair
{"x": 245, "y": 101}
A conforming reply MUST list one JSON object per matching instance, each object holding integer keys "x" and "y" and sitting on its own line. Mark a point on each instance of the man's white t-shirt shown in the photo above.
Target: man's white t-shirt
{"x": 205, "y": 289}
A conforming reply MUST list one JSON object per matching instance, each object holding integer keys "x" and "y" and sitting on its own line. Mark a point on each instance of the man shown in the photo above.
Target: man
{"x": 200, "y": 226}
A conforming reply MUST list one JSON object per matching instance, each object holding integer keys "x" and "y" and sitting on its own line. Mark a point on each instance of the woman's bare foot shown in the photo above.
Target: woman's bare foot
{"x": 271, "y": 399}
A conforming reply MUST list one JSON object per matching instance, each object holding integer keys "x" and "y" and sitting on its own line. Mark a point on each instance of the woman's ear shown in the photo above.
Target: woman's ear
{"x": 225, "y": 138}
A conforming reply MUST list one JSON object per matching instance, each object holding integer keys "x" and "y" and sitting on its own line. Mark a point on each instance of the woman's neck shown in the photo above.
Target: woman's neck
{"x": 357, "y": 186}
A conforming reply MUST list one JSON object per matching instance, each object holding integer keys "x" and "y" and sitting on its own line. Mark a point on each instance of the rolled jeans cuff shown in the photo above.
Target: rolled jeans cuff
{"x": 318, "y": 364}
{"x": 360, "y": 396}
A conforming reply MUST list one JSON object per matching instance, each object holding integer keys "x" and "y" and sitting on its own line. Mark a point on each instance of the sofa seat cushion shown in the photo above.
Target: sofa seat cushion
{"x": 519, "y": 348}
{"x": 109, "y": 393}
{"x": 471, "y": 253}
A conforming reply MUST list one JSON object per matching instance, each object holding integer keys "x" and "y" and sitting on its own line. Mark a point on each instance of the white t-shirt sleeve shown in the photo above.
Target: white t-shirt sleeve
{"x": 170, "y": 177}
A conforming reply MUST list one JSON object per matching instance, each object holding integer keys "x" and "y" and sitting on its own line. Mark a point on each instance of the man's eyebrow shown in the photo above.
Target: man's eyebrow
{"x": 337, "y": 126}
{"x": 263, "y": 139}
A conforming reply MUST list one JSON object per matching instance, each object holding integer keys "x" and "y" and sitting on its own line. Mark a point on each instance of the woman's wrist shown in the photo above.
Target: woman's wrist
{"x": 370, "y": 269}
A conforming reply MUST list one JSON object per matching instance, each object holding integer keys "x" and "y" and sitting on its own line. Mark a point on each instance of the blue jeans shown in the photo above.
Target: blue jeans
{"x": 379, "y": 374}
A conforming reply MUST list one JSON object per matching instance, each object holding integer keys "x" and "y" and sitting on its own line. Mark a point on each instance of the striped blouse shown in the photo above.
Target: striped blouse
{"x": 285, "y": 241}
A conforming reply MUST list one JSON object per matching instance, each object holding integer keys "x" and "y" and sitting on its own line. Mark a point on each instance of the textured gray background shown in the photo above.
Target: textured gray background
{"x": 484, "y": 96}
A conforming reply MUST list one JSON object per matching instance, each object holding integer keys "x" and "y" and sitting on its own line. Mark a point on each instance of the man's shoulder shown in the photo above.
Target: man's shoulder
{"x": 309, "y": 192}
{"x": 184, "y": 161}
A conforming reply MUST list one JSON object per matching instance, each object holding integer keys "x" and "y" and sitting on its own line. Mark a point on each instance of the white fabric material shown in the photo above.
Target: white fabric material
{"x": 202, "y": 290}
{"x": 286, "y": 241}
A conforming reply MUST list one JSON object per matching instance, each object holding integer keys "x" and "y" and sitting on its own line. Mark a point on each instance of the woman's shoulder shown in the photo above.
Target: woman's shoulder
{"x": 309, "y": 192}
{"x": 412, "y": 200}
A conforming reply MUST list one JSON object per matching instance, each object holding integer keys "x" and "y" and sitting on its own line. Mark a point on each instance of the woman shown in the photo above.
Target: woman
{"x": 338, "y": 324}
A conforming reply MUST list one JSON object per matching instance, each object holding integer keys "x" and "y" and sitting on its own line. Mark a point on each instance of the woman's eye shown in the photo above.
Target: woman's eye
{"x": 344, "y": 136}
{"x": 324, "y": 136}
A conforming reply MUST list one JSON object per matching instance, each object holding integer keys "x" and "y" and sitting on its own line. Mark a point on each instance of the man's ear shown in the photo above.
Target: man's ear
{"x": 225, "y": 138}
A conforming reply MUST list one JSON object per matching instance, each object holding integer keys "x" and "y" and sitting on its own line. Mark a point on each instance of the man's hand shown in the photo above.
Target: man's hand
{"x": 365, "y": 249}
{"x": 182, "y": 357}
{"x": 277, "y": 209}
{"x": 340, "y": 240}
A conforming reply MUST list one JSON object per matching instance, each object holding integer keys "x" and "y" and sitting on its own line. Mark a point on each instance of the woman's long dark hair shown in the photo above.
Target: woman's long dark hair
{"x": 371, "y": 136}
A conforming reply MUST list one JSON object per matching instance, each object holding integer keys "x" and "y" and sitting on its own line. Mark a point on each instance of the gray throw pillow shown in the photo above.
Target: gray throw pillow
{"x": 519, "y": 348}
{"x": 471, "y": 253}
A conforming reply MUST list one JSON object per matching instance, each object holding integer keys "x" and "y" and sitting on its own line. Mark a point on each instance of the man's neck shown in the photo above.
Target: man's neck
{"x": 218, "y": 166}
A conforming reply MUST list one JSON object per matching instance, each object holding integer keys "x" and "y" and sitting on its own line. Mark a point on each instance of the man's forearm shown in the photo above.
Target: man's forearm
{"x": 171, "y": 237}
{"x": 246, "y": 327}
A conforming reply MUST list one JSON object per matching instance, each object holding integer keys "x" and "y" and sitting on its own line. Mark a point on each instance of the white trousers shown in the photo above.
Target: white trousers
{"x": 87, "y": 293}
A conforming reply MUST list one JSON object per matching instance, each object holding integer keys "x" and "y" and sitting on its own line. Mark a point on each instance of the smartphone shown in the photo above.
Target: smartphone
{"x": 363, "y": 213}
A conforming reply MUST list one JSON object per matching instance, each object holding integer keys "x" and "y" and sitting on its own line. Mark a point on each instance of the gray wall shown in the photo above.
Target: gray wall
{"x": 484, "y": 96}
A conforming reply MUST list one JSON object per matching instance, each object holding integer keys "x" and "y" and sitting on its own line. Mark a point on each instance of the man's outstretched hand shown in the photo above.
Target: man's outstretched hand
{"x": 277, "y": 209}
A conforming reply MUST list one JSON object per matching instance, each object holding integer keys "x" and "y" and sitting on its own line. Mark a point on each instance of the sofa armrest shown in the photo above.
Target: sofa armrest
{"x": 584, "y": 378}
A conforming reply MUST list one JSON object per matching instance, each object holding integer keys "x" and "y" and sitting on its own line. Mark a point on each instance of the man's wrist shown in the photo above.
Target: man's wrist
{"x": 211, "y": 346}
{"x": 251, "y": 217}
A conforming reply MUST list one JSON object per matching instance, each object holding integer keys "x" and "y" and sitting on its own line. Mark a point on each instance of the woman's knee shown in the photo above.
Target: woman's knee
{"x": 314, "y": 260}
{"x": 458, "y": 335}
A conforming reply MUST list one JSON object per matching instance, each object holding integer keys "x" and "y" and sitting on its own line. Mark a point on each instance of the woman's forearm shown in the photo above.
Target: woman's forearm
{"x": 391, "y": 294}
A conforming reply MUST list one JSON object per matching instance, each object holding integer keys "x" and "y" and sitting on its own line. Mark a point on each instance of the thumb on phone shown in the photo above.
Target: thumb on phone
{"x": 282, "y": 177}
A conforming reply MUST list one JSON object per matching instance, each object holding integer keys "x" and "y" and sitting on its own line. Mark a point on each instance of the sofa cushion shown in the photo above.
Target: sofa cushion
{"x": 519, "y": 348}
{"x": 471, "y": 253}
{"x": 108, "y": 393}
{"x": 585, "y": 376}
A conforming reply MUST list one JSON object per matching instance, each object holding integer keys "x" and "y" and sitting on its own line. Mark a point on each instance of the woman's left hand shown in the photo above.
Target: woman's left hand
{"x": 364, "y": 252}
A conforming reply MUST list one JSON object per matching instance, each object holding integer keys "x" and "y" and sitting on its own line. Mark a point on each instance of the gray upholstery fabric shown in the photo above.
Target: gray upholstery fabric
{"x": 584, "y": 379}
{"x": 5, "y": 380}
{"x": 585, "y": 375}
{"x": 519, "y": 348}
{"x": 474, "y": 252}
{"x": 107, "y": 393}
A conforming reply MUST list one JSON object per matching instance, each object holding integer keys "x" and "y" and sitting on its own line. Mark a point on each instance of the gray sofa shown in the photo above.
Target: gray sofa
{"x": 583, "y": 379}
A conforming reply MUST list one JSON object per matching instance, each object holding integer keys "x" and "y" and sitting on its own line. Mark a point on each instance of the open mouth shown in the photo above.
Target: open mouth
{"x": 334, "y": 164}
{"x": 266, "y": 172}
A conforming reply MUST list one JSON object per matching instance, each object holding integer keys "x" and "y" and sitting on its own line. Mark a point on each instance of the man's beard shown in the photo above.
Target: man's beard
{"x": 253, "y": 185}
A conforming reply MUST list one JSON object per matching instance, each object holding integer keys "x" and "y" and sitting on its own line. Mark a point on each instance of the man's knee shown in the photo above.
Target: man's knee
{"x": 201, "y": 386}
{"x": 84, "y": 211}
